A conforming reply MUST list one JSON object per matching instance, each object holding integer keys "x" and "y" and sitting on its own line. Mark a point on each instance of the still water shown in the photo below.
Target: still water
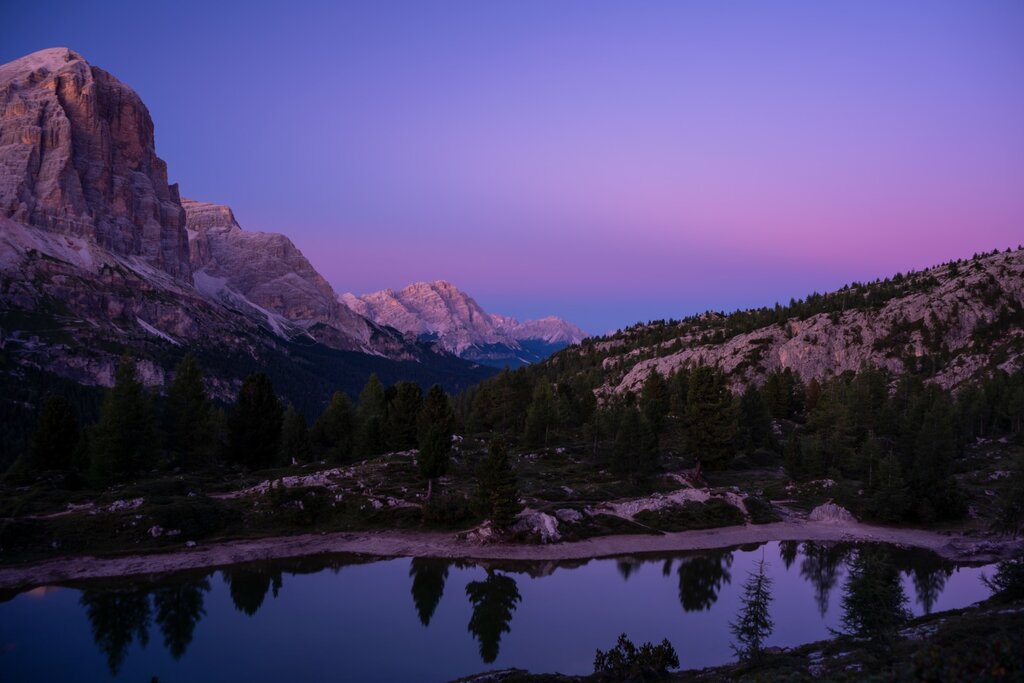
{"x": 361, "y": 619}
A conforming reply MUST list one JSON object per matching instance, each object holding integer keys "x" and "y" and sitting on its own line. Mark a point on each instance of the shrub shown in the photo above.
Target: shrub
{"x": 1008, "y": 581}
{"x": 625, "y": 662}
{"x": 447, "y": 509}
{"x": 761, "y": 511}
{"x": 713, "y": 513}
{"x": 195, "y": 517}
{"x": 302, "y": 505}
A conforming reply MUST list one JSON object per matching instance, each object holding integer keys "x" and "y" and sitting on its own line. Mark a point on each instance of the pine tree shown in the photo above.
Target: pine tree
{"x": 254, "y": 426}
{"x": 755, "y": 418}
{"x": 626, "y": 456}
{"x": 710, "y": 419}
{"x": 874, "y": 604}
{"x": 123, "y": 441}
{"x": 295, "y": 444}
{"x": 333, "y": 434}
{"x": 402, "y": 415}
{"x": 498, "y": 492}
{"x": 753, "y": 624}
{"x": 540, "y": 416}
{"x": 189, "y": 423}
{"x": 655, "y": 401}
{"x": 371, "y": 418}
{"x": 435, "y": 427}
{"x": 890, "y": 500}
{"x": 55, "y": 437}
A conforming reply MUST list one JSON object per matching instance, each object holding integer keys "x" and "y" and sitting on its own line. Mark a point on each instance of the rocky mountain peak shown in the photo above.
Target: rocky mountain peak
{"x": 77, "y": 157}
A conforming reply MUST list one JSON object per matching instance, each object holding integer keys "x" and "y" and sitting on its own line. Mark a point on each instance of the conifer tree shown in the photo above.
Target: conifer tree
{"x": 123, "y": 441}
{"x": 189, "y": 422}
{"x": 655, "y": 401}
{"x": 371, "y": 418}
{"x": 333, "y": 434}
{"x": 874, "y": 604}
{"x": 753, "y": 624}
{"x": 755, "y": 418}
{"x": 435, "y": 427}
{"x": 498, "y": 491}
{"x": 56, "y": 436}
{"x": 710, "y": 419}
{"x": 540, "y": 416}
{"x": 295, "y": 444}
{"x": 402, "y": 415}
{"x": 254, "y": 425}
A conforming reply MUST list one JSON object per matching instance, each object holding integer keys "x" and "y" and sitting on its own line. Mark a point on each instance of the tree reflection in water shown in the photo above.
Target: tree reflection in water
{"x": 178, "y": 609}
{"x": 249, "y": 586}
{"x": 117, "y": 617}
{"x": 494, "y": 600}
{"x": 428, "y": 579}
{"x": 700, "y": 579}
{"x": 820, "y": 567}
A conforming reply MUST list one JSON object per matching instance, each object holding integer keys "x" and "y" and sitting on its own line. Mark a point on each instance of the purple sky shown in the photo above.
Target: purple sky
{"x": 606, "y": 162}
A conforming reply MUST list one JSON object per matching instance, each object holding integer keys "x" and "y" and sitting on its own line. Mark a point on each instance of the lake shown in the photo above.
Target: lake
{"x": 347, "y": 618}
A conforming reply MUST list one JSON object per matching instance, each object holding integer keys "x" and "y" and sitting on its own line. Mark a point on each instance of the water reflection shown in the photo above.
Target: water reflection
{"x": 428, "y": 578}
{"x": 585, "y": 597}
{"x": 494, "y": 600}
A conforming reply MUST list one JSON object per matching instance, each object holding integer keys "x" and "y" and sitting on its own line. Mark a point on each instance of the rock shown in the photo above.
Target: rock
{"x": 265, "y": 273}
{"x": 539, "y": 525}
{"x": 568, "y": 515}
{"x": 155, "y": 531}
{"x": 77, "y": 157}
{"x": 831, "y": 513}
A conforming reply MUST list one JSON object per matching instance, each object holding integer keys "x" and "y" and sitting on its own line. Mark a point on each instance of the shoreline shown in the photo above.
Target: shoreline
{"x": 390, "y": 544}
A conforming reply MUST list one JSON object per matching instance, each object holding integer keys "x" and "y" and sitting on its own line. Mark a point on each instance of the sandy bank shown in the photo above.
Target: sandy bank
{"x": 446, "y": 544}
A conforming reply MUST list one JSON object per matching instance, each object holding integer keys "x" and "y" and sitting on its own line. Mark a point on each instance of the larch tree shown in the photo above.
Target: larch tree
{"x": 254, "y": 425}
{"x": 123, "y": 441}
{"x": 56, "y": 435}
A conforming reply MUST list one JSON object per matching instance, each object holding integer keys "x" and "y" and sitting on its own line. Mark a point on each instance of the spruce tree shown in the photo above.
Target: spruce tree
{"x": 710, "y": 419}
{"x": 540, "y": 416}
{"x": 295, "y": 445}
{"x": 333, "y": 434}
{"x": 498, "y": 492}
{"x": 435, "y": 427}
{"x": 655, "y": 401}
{"x": 123, "y": 441}
{"x": 753, "y": 624}
{"x": 254, "y": 426}
{"x": 755, "y": 418}
{"x": 56, "y": 436}
{"x": 402, "y": 415}
{"x": 371, "y": 418}
{"x": 189, "y": 423}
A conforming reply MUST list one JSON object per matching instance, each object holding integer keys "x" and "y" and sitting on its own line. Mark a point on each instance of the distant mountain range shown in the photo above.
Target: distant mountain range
{"x": 439, "y": 312}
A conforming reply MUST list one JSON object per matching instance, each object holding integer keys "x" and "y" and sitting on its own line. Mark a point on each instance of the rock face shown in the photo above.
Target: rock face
{"x": 265, "y": 275}
{"x": 955, "y": 321}
{"x": 77, "y": 158}
{"x": 438, "y": 311}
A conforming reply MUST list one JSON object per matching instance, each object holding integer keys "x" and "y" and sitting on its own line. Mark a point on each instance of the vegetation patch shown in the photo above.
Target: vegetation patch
{"x": 692, "y": 515}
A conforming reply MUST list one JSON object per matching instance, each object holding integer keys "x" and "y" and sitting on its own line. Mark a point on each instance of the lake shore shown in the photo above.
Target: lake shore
{"x": 948, "y": 545}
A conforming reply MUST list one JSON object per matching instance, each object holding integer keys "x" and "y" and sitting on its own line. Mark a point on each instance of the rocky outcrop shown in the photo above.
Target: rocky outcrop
{"x": 77, "y": 157}
{"x": 265, "y": 275}
{"x": 957, "y": 320}
{"x": 438, "y": 311}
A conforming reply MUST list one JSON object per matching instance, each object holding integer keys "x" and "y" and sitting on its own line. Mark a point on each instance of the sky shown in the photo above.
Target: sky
{"x": 607, "y": 162}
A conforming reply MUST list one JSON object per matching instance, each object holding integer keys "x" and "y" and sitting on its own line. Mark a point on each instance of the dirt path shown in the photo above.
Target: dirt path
{"x": 446, "y": 544}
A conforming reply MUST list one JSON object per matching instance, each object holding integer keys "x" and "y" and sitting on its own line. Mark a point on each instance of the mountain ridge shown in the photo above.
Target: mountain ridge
{"x": 439, "y": 311}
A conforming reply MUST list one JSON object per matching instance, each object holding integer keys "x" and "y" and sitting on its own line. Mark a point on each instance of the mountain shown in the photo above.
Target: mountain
{"x": 949, "y": 324}
{"x": 99, "y": 256}
{"x": 440, "y": 312}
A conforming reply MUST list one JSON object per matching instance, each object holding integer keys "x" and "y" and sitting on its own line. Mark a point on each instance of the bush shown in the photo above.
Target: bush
{"x": 447, "y": 509}
{"x": 1008, "y": 582}
{"x": 713, "y": 513}
{"x": 625, "y": 662}
{"x": 195, "y": 516}
{"x": 761, "y": 511}
{"x": 301, "y": 505}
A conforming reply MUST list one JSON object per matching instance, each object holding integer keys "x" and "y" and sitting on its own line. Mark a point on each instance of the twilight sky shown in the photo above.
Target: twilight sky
{"x": 607, "y": 162}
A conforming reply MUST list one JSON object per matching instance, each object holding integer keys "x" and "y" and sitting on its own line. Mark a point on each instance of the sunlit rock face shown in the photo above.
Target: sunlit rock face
{"x": 267, "y": 274}
{"x": 441, "y": 312}
{"x": 77, "y": 157}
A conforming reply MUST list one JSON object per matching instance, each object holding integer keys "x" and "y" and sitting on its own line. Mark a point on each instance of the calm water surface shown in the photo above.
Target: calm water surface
{"x": 359, "y": 619}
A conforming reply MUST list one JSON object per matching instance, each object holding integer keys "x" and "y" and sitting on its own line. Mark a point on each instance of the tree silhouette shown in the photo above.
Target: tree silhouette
{"x": 179, "y": 607}
{"x": 493, "y": 600}
{"x": 753, "y": 624}
{"x": 874, "y": 604}
{"x": 820, "y": 566}
{"x": 428, "y": 579}
{"x": 700, "y": 579}
{"x": 249, "y": 586}
{"x": 117, "y": 617}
